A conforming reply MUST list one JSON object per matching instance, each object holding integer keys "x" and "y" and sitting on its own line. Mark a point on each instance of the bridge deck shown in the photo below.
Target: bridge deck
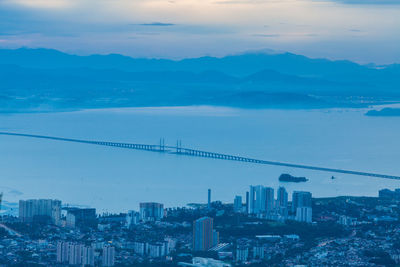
{"x": 205, "y": 154}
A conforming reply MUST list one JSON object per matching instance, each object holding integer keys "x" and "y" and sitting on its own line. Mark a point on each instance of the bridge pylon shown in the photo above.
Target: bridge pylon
{"x": 178, "y": 146}
{"x": 162, "y": 144}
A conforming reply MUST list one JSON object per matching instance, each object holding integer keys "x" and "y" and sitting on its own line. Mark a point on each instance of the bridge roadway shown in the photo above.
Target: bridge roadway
{"x": 205, "y": 154}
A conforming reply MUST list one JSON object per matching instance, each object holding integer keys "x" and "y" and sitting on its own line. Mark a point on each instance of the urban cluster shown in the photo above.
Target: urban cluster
{"x": 261, "y": 229}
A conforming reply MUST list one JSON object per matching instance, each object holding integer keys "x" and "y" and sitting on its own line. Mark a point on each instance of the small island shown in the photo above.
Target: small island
{"x": 289, "y": 178}
{"x": 386, "y": 112}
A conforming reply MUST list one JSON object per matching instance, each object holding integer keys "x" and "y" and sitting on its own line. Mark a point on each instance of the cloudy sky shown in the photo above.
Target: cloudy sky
{"x": 360, "y": 30}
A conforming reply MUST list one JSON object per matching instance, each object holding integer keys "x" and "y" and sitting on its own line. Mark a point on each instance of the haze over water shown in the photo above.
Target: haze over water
{"x": 114, "y": 179}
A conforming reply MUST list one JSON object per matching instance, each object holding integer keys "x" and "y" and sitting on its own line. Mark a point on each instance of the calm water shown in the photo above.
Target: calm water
{"x": 114, "y": 180}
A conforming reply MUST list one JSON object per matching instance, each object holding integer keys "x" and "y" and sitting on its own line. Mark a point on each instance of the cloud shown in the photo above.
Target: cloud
{"x": 365, "y": 2}
{"x": 255, "y": 2}
{"x": 162, "y": 24}
{"x": 181, "y": 28}
{"x": 266, "y": 35}
{"x": 285, "y": 35}
{"x": 41, "y": 4}
{"x": 15, "y": 192}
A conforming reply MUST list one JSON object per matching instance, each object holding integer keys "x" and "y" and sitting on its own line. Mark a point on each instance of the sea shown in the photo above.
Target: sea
{"x": 116, "y": 180}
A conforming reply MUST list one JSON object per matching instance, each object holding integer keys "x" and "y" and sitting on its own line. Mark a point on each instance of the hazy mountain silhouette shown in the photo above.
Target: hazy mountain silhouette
{"x": 49, "y": 78}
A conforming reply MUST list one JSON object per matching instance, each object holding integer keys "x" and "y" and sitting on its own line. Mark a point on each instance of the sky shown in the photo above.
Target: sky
{"x": 364, "y": 31}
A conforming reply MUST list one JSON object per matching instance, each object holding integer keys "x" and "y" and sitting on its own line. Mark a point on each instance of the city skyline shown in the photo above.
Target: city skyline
{"x": 113, "y": 239}
{"x": 198, "y": 133}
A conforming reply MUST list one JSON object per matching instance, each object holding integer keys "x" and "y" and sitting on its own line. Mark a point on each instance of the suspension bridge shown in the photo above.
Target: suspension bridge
{"x": 179, "y": 150}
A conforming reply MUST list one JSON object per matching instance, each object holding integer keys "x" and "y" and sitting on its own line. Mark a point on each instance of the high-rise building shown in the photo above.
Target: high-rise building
{"x": 304, "y": 214}
{"x": 255, "y": 199}
{"x": 203, "y": 234}
{"x": 45, "y": 210}
{"x": 157, "y": 250}
{"x": 258, "y": 252}
{"x": 62, "y": 252}
{"x": 301, "y": 199}
{"x": 77, "y": 217}
{"x": 108, "y": 256}
{"x": 242, "y": 253}
{"x": 150, "y": 211}
{"x": 247, "y": 202}
{"x": 215, "y": 238}
{"x": 269, "y": 199}
{"x": 261, "y": 199}
{"x": 139, "y": 248}
{"x": 387, "y": 194}
{"x": 132, "y": 218}
{"x": 209, "y": 199}
{"x": 75, "y": 254}
{"x": 282, "y": 197}
{"x": 238, "y": 204}
{"x": 88, "y": 256}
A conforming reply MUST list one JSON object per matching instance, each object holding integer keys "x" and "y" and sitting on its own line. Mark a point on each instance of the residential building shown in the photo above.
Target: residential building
{"x": 203, "y": 234}
{"x": 151, "y": 211}
{"x": 132, "y": 218}
{"x": 304, "y": 214}
{"x": 40, "y": 210}
{"x": 242, "y": 254}
{"x": 108, "y": 256}
{"x": 282, "y": 198}
{"x": 77, "y": 217}
{"x": 301, "y": 199}
{"x": 238, "y": 204}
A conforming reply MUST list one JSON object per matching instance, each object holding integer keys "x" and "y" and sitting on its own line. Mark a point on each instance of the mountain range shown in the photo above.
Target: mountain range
{"x": 43, "y": 79}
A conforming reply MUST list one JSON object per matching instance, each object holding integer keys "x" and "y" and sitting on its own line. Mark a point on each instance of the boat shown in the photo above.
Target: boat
{"x": 289, "y": 178}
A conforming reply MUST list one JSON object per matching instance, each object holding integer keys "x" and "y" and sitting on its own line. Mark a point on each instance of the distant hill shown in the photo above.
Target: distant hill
{"x": 50, "y": 79}
{"x": 386, "y": 112}
{"x": 237, "y": 65}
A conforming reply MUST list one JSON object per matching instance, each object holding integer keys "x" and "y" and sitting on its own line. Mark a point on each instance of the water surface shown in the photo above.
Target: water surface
{"x": 114, "y": 179}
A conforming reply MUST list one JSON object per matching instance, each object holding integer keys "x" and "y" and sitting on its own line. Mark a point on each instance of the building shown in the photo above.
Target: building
{"x": 81, "y": 218}
{"x": 301, "y": 199}
{"x": 157, "y": 250}
{"x": 242, "y": 254}
{"x": 132, "y": 218}
{"x": 238, "y": 204}
{"x": 347, "y": 221}
{"x": 201, "y": 262}
{"x": 62, "y": 252}
{"x": 108, "y": 256}
{"x": 139, "y": 248}
{"x": 209, "y": 199}
{"x": 258, "y": 252}
{"x": 215, "y": 238}
{"x": 269, "y": 199}
{"x": 304, "y": 214}
{"x": 255, "y": 199}
{"x": 88, "y": 256}
{"x": 387, "y": 194}
{"x": 203, "y": 234}
{"x": 151, "y": 211}
{"x": 40, "y": 210}
{"x": 261, "y": 199}
{"x": 75, "y": 254}
{"x": 247, "y": 202}
{"x": 282, "y": 198}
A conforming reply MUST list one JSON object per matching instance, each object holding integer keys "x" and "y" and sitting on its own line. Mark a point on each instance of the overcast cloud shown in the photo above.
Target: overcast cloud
{"x": 359, "y": 30}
